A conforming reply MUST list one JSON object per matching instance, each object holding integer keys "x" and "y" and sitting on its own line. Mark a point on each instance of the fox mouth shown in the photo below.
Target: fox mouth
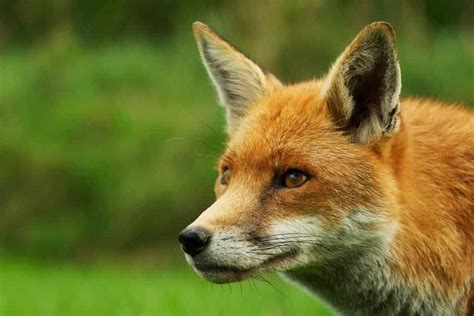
{"x": 213, "y": 268}
{"x": 220, "y": 273}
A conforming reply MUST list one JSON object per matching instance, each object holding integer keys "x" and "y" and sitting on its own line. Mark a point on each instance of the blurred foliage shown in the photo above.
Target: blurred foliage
{"x": 109, "y": 127}
{"x": 63, "y": 289}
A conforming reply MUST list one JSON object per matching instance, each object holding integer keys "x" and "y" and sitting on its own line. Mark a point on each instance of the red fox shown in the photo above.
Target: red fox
{"x": 359, "y": 197}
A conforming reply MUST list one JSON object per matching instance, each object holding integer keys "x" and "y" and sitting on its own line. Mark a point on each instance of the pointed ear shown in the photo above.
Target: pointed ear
{"x": 238, "y": 80}
{"x": 363, "y": 87}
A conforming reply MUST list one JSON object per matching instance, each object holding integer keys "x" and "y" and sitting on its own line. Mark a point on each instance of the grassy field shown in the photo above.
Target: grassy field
{"x": 41, "y": 289}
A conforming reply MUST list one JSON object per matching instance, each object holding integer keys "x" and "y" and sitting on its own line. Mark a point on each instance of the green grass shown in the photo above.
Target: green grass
{"x": 40, "y": 289}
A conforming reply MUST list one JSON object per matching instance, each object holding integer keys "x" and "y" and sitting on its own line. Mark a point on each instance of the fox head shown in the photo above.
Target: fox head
{"x": 303, "y": 180}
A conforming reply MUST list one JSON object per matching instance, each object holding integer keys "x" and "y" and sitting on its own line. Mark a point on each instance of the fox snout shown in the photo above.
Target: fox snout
{"x": 194, "y": 240}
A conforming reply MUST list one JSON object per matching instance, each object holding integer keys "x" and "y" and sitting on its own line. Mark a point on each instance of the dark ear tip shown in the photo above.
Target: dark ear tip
{"x": 381, "y": 30}
{"x": 383, "y": 27}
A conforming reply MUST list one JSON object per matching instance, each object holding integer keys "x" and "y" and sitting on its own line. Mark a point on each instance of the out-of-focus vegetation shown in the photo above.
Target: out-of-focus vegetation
{"x": 109, "y": 132}
{"x": 104, "y": 148}
{"x": 109, "y": 127}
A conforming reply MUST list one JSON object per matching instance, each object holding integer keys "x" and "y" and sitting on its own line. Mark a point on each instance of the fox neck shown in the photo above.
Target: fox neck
{"x": 364, "y": 283}
{"x": 354, "y": 275}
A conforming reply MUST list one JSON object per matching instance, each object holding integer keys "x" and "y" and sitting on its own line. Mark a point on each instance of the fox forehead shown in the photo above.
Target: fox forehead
{"x": 291, "y": 128}
{"x": 289, "y": 125}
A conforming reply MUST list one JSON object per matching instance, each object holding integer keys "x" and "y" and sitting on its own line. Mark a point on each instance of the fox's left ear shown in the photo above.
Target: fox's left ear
{"x": 363, "y": 87}
{"x": 238, "y": 80}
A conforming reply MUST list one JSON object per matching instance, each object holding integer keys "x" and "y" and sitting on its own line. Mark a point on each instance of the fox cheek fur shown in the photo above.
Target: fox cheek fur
{"x": 363, "y": 199}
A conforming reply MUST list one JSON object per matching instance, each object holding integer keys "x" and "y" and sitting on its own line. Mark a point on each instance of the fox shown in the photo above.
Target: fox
{"x": 361, "y": 198}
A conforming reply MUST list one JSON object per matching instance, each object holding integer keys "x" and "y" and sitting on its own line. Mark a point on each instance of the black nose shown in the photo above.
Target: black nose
{"x": 194, "y": 240}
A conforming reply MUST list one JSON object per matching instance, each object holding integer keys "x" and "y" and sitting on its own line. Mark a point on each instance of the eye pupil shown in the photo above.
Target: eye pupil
{"x": 294, "y": 178}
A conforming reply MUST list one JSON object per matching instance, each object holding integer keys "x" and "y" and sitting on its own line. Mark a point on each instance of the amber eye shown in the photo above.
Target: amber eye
{"x": 225, "y": 176}
{"x": 294, "y": 178}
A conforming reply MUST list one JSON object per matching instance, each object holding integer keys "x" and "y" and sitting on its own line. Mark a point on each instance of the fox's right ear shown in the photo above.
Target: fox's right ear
{"x": 239, "y": 81}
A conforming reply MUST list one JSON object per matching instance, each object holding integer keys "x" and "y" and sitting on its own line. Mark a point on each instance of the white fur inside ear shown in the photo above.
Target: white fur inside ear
{"x": 237, "y": 79}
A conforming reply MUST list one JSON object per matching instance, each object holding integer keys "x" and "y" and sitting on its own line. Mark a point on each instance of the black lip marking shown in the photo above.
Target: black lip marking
{"x": 219, "y": 268}
{"x": 215, "y": 268}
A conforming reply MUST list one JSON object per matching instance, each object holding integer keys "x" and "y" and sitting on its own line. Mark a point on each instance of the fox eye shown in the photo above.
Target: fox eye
{"x": 294, "y": 178}
{"x": 225, "y": 176}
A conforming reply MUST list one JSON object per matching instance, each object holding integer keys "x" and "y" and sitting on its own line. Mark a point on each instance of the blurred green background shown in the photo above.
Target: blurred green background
{"x": 109, "y": 132}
